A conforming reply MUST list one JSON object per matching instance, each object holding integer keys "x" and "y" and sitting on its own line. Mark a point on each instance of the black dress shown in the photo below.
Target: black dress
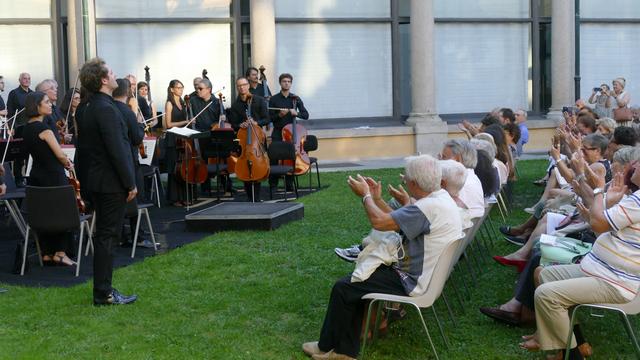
{"x": 46, "y": 170}
{"x": 175, "y": 185}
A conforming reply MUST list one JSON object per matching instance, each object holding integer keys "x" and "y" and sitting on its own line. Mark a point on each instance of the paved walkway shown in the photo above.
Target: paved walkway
{"x": 330, "y": 166}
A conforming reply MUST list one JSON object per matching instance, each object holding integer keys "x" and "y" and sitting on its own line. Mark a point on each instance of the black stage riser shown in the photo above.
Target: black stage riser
{"x": 244, "y": 216}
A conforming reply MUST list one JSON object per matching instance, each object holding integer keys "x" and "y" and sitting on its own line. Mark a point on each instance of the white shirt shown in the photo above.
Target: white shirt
{"x": 472, "y": 195}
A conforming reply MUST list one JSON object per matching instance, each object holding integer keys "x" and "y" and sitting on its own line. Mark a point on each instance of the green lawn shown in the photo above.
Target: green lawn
{"x": 260, "y": 295}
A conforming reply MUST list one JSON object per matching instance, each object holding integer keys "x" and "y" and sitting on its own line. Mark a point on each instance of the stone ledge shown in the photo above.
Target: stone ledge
{"x": 362, "y": 132}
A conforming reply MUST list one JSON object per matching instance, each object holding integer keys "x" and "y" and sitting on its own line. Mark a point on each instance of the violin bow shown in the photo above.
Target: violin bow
{"x": 73, "y": 92}
{"x": 4, "y": 156}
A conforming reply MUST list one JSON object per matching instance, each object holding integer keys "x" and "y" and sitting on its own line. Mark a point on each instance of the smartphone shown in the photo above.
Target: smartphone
{"x": 567, "y": 109}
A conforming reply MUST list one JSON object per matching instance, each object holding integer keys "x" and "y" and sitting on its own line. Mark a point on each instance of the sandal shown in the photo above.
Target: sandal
{"x": 63, "y": 260}
{"x": 507, "y": 230}
{"x": 530, "y": 345}
{"x": 47, "y": 260}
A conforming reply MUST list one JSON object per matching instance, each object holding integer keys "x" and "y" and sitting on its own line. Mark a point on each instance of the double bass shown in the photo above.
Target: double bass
{"x": 296, "y": 134}
{"x": 253, "y": 162}
{"x": 191, "y": 167}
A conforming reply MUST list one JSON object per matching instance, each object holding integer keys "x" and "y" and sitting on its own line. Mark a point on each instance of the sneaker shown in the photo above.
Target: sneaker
{"x": 348, "y": 254}
{"x": 311, "y": 348}
{"x": 515, "y": 240}
{"x": 116, "y": 299}
{"x": 147, "y": 243}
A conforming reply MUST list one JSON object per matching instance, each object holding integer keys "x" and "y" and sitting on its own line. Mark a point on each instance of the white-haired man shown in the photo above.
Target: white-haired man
{"x": 427, "y": 228}
{"x": 471, "y": 193}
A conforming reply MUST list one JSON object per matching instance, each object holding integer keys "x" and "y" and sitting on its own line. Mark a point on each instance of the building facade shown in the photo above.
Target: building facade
{"x": 381, "y": 78}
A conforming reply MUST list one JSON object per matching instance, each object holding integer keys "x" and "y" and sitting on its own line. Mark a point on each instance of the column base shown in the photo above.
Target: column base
{"x": 430, "y": 132}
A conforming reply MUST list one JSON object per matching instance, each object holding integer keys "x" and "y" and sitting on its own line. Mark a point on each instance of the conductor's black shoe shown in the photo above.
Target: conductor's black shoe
{"x": 116, "y": 299}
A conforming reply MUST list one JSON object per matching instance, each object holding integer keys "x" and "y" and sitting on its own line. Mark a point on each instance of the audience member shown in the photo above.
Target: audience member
{"x": 602, "y": 98}
{"x": 521, "y": 121}
{"x": 471, "y": 193}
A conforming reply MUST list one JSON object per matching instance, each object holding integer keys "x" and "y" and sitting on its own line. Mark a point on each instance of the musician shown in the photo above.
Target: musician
{"x": 175, "y": 115}
{"x": 196, "y": 82}
{"x": 147, "y": 107}
{"x": 15, "y": 103}
{"x": 102, "y": 138}
{"x": 284, "y": 100}
{"x": 132, "y": 99}
{"x": 135, "y": 131}
{"x": 257, "y": 87}
{"x": 3, "y": 107}
{"x": 68, "y": 107}
{"x": 48, "y": 167}
{"x": 238, "y": 119}
{"x": 55, "y": 121}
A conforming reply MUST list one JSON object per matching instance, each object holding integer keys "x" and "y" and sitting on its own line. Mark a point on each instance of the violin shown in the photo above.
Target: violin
{"x": 253, "y": 162}
{"x": 191, "y": 168}
{"x": 297, "y": 134}
{"x": 73, "y": 181}
{"x": 61, "y": 125}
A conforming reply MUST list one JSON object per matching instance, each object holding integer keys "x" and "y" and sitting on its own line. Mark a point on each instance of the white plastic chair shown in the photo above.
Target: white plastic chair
{"x": 440, "y": 274}
{"x": 630, "y": 308}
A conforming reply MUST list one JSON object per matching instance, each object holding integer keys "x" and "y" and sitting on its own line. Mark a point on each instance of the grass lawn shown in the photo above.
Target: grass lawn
{"x": 260, "y": 295}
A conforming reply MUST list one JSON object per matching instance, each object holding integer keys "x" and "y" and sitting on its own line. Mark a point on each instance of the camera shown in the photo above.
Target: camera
{"x": 597, "y": 89}
{"x": 567, "y": 109}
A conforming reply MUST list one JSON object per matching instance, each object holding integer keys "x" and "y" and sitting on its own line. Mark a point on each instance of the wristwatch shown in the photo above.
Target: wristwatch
{"x": 597, "y": 191}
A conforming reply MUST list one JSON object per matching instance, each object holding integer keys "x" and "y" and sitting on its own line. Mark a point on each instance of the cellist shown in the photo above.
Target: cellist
{"x": 238, "y": 119}
{"x": 208, "y": 117}
{"x": 256, "y": 86}
{"x": 283, "y": 101}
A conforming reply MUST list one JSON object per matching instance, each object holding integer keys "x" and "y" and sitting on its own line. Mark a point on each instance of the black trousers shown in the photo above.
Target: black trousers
{"x": 343, "y": 320}
{"x": 110, "y": 208}
{"x": 252, "y": 189}
{"x": 526, "y": 288}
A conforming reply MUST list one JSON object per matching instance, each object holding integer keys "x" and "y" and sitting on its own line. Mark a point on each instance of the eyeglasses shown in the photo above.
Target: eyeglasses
{"x": 201, "y": 88}
{"x": 178, "y": 87}
{"x": 588, "y": 149}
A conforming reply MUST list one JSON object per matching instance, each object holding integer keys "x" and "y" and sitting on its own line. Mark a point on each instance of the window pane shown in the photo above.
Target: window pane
{"x": 608, "y": 51}
{"x": 481, "y": 8}
{"x": 339, "y": 70}
{"x": 610, "y": 9}
{"x": 404, "y": 8}
{"x": 405, "y": 69}
{"x": 23, "y": 40}
{"x": 172, "y": 51}
{"x": 481, "y": 66}
{"x": 332, "y": 8}
{"x": 162, "y": 9}
{"x": 25, "y": 9}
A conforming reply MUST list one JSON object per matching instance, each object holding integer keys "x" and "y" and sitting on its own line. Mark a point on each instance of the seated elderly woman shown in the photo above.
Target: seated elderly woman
{"x": 471, "y": 193}
{"x": 592, "y": 148}
{"x": 519, "y": 310}
{"x": 427, "y": 229}
{"x": 605, "y": 275}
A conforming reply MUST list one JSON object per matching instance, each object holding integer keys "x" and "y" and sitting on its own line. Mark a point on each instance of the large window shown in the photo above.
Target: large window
{"x": 608, "y": 51}
{"x": 610, "y": 9}
{"x": 481, "y": 8}
{"x": 332, "y": 8}
{"x": 25, "y": 9}
{"x": 479, "y": 67}
{"x": 341, "y": 70}
{"x": 162, "y": 9}
{"x": 172, "y": 51}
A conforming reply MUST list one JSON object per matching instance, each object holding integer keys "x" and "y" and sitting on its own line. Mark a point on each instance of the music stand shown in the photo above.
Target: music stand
{"x": 221, "y": 143}
{"x": 16, "y": 149}
{"x": 194, "y": 135}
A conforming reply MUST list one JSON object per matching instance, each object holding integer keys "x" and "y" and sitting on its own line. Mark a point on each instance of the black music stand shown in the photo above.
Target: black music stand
{"x": 195, "y": 137}
{"x": 16, "y": 151}
{"x": 221, "y": 143}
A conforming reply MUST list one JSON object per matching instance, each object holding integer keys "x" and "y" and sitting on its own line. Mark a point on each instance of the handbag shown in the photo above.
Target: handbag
{"x": 622, "y": 114}
{"x": 562, "y": 250}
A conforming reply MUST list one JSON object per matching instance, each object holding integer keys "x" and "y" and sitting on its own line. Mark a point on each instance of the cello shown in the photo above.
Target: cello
{"x": 296, "y": 134}
{"x": 253, "y": 162}
{"x": 191, "y": 168}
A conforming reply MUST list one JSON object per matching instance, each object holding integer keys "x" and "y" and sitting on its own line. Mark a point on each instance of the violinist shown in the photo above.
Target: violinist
{"x": 55, "y": 120}
{"x": 238, "y": 119}
{"x": 280, "y": 118}
{"x": 257, "y": 87}
{"x": 132, "y": 100}
{"x": 48, "y": 167}
{"x": 69, "y": 105}
{"x": 175, "y": 115}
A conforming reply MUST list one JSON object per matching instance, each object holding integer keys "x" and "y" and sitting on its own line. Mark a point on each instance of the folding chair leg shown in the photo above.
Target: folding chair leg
{"x": 366, "y": 326}
{"x": 80, "y": 240}
{"x": 444, "y": 336}
{"x": 630, "y": 332}
{"x": 457, "y": 293}
{"x": 90, "y": 241}
{"x": 38, "y": 250}
{"x": 153, "y": 236}
{"x": 135, "y": 236}
{"x": 446, "y": 302}
{"x": 24, "y": 250}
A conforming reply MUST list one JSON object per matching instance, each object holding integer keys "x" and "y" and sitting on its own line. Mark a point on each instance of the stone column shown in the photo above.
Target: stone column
{"x": 429, "y": 129}
{"x": 263, "y": 39}
{"x": 75, "y": 38}
{"x": 562, "y": 57}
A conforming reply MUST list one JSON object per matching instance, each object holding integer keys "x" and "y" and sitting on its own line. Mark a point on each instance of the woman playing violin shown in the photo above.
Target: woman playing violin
{"x": 69, "y": 105}
{"x": 175, "y": 110}
{"x": 48, "y": 167}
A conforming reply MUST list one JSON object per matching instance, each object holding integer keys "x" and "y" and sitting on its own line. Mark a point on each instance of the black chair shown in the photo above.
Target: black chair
{"x": 311, "y": 144}
{"x": 11, "y": 198}
{"x": 43, "y": 219}
{"x": 153, "y": 172}
{"x": 137, "y": 210}
{"x": 279, "y": 151}
{"x": 219, "y": 145}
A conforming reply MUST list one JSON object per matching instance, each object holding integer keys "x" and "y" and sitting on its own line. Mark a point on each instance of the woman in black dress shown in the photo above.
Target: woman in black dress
{"x": 48, "y": 167}
{"x": 175, "y": 115}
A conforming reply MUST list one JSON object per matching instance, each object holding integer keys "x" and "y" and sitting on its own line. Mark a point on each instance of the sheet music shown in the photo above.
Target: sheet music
{"x": 68, "y": 150}
{"x": 183, "y": 131}
{"x": 149, "y": 149}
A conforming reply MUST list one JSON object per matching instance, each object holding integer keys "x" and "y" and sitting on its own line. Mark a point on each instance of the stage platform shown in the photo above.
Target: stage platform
{"x": 244, "y": 216}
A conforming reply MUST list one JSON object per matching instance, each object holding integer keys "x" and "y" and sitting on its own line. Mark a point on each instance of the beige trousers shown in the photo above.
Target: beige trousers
{"x": 564, "y": 286}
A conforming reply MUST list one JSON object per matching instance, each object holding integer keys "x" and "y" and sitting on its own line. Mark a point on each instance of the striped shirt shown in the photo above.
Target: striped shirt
{"x": 615, "y": 256}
